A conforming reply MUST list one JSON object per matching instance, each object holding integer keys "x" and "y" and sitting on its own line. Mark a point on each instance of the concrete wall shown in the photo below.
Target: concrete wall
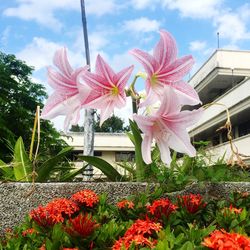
{"x": 103, "y": 141}
{"x": 18, "y": 199}
{"x": 223, "y": 59}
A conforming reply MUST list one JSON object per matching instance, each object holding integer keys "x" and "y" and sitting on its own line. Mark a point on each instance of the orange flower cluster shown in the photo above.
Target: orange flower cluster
{"x": 235, "y": 210}
{"x": 125, "y": 204}
{"x": 66, "y": 248}
{"x": 54, "y": 212}
{"x": 82, "y": 226}
{"x": 85, "y": 197}
{"x": 28, "y": 232}
{"x": 192, "y": 202}
{"x": 222, "y": 240}
{"x": 161, "y": 207}
{"x": 138, "y": 234}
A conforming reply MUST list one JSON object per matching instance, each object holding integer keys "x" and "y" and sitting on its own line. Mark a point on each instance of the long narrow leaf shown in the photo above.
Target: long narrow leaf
{"x": 128, "y": 168}
{"x": 140, "y": 164}
{"x": 21, "y": 164}
{"x": 49, "y": 166}
{"x": 73, "y": 173}
{"x": 111, "y": 173}
{"x": 131, "y": 137}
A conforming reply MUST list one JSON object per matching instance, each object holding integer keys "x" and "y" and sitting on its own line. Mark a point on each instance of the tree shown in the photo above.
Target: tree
{"x": 114, "y": 124}
{"x": 19, "y": 97}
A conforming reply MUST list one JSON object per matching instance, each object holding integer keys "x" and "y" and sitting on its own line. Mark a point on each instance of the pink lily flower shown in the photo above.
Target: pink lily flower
{"x": 68, "y": 96}
{"x": 168, "y": 126}
{"x": 163, "y": 68}
{"x": 107, "y": 88}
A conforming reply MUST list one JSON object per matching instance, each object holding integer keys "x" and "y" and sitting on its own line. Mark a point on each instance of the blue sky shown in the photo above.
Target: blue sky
{"x": 34, "y": 29}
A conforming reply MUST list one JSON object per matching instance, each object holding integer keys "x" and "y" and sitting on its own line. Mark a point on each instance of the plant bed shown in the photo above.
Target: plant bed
{"x": 18, "y": 199}
{"x": 86, "y": 220}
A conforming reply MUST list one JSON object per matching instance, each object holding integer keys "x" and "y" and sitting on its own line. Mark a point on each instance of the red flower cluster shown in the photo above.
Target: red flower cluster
{"x": 125, "y": 204}
{"x": 66, "y": 248}
{"x": 85, "y": 197}
{"x": 54, "y": 212}
{"x": 222, "y": 240}
{"x": 234, "y": 209}
{"x": 83, "y": 225}
{"x": 161, "y": 207}
{"x": 28, "y": 232}
{"x": 138, "y": 234}
{"x": 192, "y": 202}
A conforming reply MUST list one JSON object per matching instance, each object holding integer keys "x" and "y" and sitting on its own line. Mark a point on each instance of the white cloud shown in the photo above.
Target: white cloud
{"x": 142, "y": 24}
{"x": 43, "y": 12}
{"x": 101, "y": 7}
{"x": 197, "y": 45}
{"x": 232, "y": 26}
{"x": 39, "y": 52}
{"x": 194, "y": 8}
{"x": 98, "y": 40}
{"x": 141, "y": 4}
{"x": 5, "y": 36}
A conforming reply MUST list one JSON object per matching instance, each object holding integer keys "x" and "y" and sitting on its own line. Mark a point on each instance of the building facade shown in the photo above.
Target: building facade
{"x": 114, "y": 148}
{"x": 224, "y": 79}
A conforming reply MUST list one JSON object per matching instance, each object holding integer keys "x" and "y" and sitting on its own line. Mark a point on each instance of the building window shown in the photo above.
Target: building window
{"x": 244, "y": 128}
{"x": 98, "y": 153}
{"x": 216, "y": 139}
{"x": 73, "y": 155}
{"x": 124, "y": 156}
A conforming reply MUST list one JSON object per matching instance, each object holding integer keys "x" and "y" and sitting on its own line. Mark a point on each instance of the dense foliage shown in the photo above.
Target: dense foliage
{"x": 19, "y": 97}
{"x": 145, "y": 221}
{"x": 113, "y": 124}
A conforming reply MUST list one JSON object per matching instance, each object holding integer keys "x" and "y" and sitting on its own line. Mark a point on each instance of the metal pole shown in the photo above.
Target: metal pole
{"x": 85, "y": 32}
{"x": 89, "y": 113}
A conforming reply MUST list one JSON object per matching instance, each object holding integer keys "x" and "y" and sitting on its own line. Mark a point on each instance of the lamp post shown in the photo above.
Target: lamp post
{"x": 89, "y": 113}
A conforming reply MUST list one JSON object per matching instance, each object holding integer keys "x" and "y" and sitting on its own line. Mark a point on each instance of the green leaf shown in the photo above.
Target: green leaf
{"x": 243, "y": 215}
{"x": 179, "y": 239}
{"x": 187, "y": 246}
{"x": 131, "y": 137}
{"x": 6, "y": 170}
{"x": 49, "y": 166}
{"x": 140, "y": 164}
{"x": 127, "y": 167}
{"x": 234, "y": 223}
{"x": 72, "y": 174}
{"x": 22, "y": 166}
{"x": 111, "y": 173}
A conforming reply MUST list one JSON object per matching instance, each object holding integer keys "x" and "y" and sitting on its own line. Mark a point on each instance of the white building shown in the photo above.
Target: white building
{"x": 224, "y": 78}
{"x": 111, "y": 147}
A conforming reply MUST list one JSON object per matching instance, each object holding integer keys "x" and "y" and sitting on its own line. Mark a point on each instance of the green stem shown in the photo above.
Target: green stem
{"x": 134, "y": 95}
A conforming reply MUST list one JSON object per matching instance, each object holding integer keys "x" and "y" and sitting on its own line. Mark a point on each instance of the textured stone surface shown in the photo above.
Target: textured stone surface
{"x": 17, "y": 199}
{"x": 214, "y": 190}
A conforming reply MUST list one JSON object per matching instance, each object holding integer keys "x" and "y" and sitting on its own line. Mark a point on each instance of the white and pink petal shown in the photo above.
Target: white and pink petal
{"x": 186, "y": 93}
{"x": 148, "y": 61}
{"x": 62, "y": 63}
{"x": 176, "y": 70}
{"x": 146, "y": 149}
{"x": 104, "y": 70}
{"x": 165, "y": 52}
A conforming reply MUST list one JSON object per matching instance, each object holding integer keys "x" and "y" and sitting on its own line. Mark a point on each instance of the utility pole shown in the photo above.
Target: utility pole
{"x": 89, "y": 113}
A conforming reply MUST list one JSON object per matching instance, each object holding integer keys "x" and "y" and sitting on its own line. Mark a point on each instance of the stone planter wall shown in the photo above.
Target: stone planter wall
{"x": 17, "y": 199}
